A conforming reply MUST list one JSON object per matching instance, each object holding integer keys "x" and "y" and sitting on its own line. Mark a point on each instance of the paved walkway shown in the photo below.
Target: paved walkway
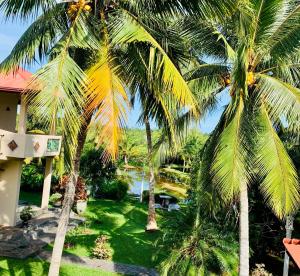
{"x": 101, "y": 264}
{"x": 18, "y": 242}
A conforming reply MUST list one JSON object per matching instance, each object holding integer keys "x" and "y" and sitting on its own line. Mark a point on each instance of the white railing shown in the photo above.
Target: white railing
{"x": 15, "y": 145}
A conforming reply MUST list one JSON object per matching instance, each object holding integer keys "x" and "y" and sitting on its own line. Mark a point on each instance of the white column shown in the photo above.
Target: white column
{"x": 23, "y": 116}
{"x": 47, "y": 183}
{"x": 10, "y": 178}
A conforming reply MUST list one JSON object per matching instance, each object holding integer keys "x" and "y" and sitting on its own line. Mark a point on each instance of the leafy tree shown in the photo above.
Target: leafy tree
{"x": 191, "y": 146}
{"x": 129, "y": 148}
{"x": 254, "y": 56}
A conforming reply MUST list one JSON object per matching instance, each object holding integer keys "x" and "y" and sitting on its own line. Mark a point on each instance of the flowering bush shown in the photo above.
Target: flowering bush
{"x": 101, "y": 249}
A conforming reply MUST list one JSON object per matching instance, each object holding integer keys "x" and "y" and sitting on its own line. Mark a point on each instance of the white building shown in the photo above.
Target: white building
{"x": 16, "y": 145}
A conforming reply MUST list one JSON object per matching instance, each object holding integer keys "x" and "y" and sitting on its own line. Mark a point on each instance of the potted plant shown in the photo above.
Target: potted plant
{"x": 81, "y": 195}
{"x": 55, "y": 199}
{"x": 26, "y": 215}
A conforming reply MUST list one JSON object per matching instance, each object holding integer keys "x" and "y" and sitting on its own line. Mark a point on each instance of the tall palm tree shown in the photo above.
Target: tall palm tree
{"x": 164, "y": 33}
{"x": 255, "y": 57}
{"x": 82, "y": 79}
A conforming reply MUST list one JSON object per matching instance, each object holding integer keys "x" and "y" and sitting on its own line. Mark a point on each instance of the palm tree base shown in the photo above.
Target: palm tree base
{"x": 152, "y": 226}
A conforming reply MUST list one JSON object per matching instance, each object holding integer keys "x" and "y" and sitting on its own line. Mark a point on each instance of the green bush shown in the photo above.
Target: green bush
{"x": 92, "y": 167}
{"x": 32, "y": 178}
{"x": 115, "y": 189}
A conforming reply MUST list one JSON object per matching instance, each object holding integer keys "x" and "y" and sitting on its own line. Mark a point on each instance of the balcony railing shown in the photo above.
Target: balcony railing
{"x": 15, "y": 145}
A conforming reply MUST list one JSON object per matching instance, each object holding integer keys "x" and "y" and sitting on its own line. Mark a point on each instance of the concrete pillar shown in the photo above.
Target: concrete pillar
{"x": 47, "y": 183}
{"x": 23, "y": 116}
{"x": 10, "y": 179}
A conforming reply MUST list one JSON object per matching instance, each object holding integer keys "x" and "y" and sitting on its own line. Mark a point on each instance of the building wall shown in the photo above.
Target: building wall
{"x": 8, "y": 111}
{"x": 10, "y": 177}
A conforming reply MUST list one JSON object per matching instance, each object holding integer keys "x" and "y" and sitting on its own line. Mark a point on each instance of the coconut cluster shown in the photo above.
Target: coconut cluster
{"x": 80, "y": 5}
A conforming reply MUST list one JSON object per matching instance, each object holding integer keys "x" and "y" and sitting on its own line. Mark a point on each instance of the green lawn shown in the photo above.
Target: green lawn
{"x": 34, "y": 267}
{"x": 124, "y": 224}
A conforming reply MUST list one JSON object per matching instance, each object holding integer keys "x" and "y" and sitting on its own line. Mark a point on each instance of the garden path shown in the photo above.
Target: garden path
{"x": 103, "y": 265}
{"x": 20, "y": 243}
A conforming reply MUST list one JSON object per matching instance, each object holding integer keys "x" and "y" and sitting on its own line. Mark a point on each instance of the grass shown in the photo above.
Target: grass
{"x": 35, "y": 267}
{"x": 124, "y": 224}
{"x": 33, "y": 198}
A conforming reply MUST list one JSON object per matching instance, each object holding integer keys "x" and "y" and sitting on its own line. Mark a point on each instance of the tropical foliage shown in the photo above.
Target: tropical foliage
{"x": 176, "y": 57}
{"x": 254, "y": 56}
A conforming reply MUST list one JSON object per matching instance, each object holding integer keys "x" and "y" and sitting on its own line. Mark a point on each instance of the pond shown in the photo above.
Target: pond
{"x": 139, "y": 181}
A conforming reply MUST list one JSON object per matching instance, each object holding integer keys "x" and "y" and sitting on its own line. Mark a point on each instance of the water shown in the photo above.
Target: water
{"x": 137, "y": 179}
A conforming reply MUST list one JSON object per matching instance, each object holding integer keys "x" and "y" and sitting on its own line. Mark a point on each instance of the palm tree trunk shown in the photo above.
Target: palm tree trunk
{"x": 126, "y": 160}
{"x": 244, "y": 231}
{"x": 68, "y": 203}
{"x": 151, "y": 224}
{"x": 62, "y": 226}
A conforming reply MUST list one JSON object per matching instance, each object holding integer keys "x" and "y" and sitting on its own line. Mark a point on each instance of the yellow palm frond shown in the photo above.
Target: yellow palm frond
{"x": 108, "y": 97}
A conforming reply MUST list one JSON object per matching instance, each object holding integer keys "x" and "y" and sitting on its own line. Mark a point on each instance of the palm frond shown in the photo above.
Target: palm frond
{"x": 286, "y": 38}
{"x": 267, "y": 15}
{"x": 229, "y": 164}
{"x": 128, "y": 29}
{"x": 280, "y": 183}
{"x": 107, "y": 95}
{"x": 24, "y": 9}
{"x": 283, "y": 99}
{"x": 37, "y": 40}
{"x": 60, "y": 84}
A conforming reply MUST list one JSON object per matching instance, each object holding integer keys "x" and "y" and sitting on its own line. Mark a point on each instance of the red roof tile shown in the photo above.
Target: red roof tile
{"x": 293, "y": 248}
{"x": 15, "y": 82}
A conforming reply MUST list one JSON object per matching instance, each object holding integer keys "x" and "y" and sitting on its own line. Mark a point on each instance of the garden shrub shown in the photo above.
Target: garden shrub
{"x": 101, "y": 249}
{"x": 32, "y": 178}
{"x": 114, "y": 189}
{"x": 93, "y": 168}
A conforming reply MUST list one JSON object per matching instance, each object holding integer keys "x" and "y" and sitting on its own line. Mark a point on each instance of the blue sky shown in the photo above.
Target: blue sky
{"x": 10, "y": 32}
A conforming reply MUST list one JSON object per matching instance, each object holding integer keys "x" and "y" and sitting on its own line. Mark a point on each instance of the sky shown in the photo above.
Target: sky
{"x": 10, "y": 32}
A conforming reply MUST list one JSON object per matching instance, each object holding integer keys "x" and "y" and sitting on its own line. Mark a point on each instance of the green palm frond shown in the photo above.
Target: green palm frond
{"x": 127, "y": 29}
{"x": 205, "y": 8}
{"x": 61, "y": 83}
{"x": 280, "y": 183}
{"x": 266, "y": 15}
{"x": 24, "y": 9}
{"x": 37, "y": 40}
{"x": 286, "y": 38}
{"x": 283, "y": 99}
{"x": 229, "y": 165}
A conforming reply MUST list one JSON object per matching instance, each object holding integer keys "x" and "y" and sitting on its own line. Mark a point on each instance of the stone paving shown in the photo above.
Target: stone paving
{"x": 18, "y": 242}
{"x": 104, "y": 265}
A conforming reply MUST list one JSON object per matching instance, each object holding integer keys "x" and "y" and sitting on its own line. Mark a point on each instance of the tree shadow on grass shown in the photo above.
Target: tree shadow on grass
{"x": 124, "y": 224}
{"x": 28, "y": 267}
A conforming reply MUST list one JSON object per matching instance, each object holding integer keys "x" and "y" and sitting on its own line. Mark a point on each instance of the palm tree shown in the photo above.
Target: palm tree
{"x": 81, "y": 79}
{"x": 254, "y": 56}
{"x": 170, "y": 111}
